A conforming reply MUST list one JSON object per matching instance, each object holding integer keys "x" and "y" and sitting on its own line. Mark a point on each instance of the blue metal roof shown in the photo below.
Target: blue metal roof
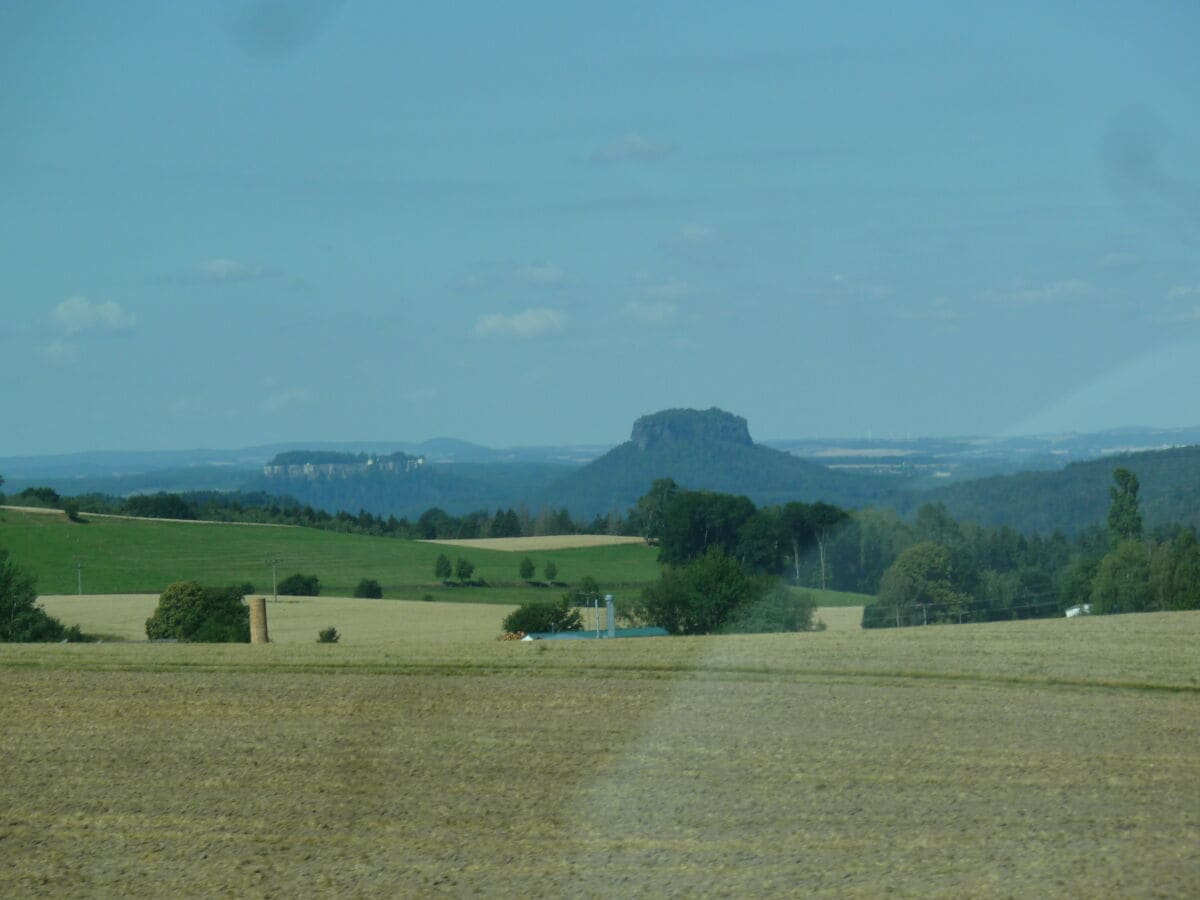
{"x": 592, "y": 635}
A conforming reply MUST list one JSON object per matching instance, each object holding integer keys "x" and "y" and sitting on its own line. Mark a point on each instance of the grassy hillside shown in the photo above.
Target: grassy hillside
{"x": 1048, "y": 758}
{"x": 142, "y": 555}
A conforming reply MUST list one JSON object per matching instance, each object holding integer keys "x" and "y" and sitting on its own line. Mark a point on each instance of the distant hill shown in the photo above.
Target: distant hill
{"x": 408, "y": 491}
{"x": 705, "y": 450}
{"x": 1076, "y": 496}
{"x": 700, "y": 449}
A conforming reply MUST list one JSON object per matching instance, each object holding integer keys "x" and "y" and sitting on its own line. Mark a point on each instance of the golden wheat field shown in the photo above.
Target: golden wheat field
{"x": 293, "y": 620}
{"x": 1047, "y": 758}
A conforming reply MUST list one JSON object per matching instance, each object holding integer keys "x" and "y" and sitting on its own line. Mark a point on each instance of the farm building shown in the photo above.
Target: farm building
{"x": 594, "y": 635}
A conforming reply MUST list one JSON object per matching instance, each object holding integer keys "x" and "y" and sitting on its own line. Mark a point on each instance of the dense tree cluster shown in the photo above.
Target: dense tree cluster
{"x": 299, "y": 585}
{"x": 686, "y": 524}
{"x": 22, "y": 619}
{"x": 946, "y": 571}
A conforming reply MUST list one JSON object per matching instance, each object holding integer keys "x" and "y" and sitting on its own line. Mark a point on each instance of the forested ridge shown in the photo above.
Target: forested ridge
{"x": 1075, "y": 497}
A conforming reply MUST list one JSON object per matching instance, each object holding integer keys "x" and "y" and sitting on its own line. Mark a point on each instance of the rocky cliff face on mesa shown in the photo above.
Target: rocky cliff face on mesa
{"x": 690, "y": 426}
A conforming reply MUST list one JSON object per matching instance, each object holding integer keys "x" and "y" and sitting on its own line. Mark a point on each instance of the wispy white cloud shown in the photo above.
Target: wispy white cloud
{"x": 846, "y": 286}
{"x": 694, "y": 234}
{"x": 1120, "y": 259}
{"x": 633, "y": 147}
{"x": 653, "y": 312}
{"x": 419, "y": 395}
{"x": 490, "y": 276}
{"x": 1068, "y": 290}
{"x": 287, "y": 398}
{"x": 544, "y": 275}
{"x": 226, "y": 270}
{"x": 220, "y": 270}
{"x": 61, "y": 353}
{"x": 648, "y": 288}
{"x": 188, "y": 407}
{"x": 940, "y": 309}
{"x": 699, "y": 243}
{"x": 78, "y": 315}
{"x": 1183, "y": 291}
{"x": 1184, "y": 316}
{"x": 525, "y": 324}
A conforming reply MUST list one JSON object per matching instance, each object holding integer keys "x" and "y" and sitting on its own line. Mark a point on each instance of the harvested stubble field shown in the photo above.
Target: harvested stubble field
{"x": 1012, "y": 759}
{"x": 296, "y": 620}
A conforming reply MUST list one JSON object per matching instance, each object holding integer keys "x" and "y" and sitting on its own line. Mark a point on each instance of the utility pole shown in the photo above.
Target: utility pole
{"x": 273, "y": 562}
{"x": 79, "y": 575}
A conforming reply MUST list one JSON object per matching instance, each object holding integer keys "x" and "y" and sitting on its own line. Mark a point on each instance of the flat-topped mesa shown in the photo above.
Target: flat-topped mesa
{"x": 690, "y": 426}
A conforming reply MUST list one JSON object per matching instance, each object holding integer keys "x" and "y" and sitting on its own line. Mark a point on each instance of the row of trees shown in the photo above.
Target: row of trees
{"x": 526, "y": 570}
{"x": 955, "y": 572}
{"x": 463, "y": 569}
{"x": 259, "y": 507}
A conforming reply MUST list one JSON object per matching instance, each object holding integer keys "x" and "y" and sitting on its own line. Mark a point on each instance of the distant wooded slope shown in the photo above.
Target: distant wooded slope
{"x": 1076, "y": 496}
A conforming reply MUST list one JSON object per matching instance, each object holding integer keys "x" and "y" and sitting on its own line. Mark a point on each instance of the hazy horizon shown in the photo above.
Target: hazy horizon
{"x": 250, "y": 222}
{"x": 316, "y": 443}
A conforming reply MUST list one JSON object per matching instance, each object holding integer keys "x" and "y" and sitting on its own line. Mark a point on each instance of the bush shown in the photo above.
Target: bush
{"x": 22, "y": 620}
{"x": 188, "y": 611}
{"x": 245, "y": 588}
{"x": 557, "y": 615}
{"x": 526, "y": 569}
{"x": 702, "y": 596}
{"x": 780, "y": 609}
{"x": 369, "y": 589}
{"x": 328, "y": 635}
{"x": 70, "y": 506}
{"x": 442, "y": 568}
{"x": 300, "y": 586}
{"x": 551, "y": 571}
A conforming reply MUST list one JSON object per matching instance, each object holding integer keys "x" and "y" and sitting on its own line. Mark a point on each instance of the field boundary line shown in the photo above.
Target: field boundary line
{"x": 43, "y": 510}
{"x": 467, "y": 668}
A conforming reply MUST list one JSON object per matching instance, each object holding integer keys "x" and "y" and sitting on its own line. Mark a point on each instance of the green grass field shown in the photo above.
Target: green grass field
{"x": 143, "y": 555}
{"x": 421, "y": 756}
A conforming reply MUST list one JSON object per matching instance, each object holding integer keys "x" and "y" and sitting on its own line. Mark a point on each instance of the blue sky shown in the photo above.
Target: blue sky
{"x": 242, "y": 222}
